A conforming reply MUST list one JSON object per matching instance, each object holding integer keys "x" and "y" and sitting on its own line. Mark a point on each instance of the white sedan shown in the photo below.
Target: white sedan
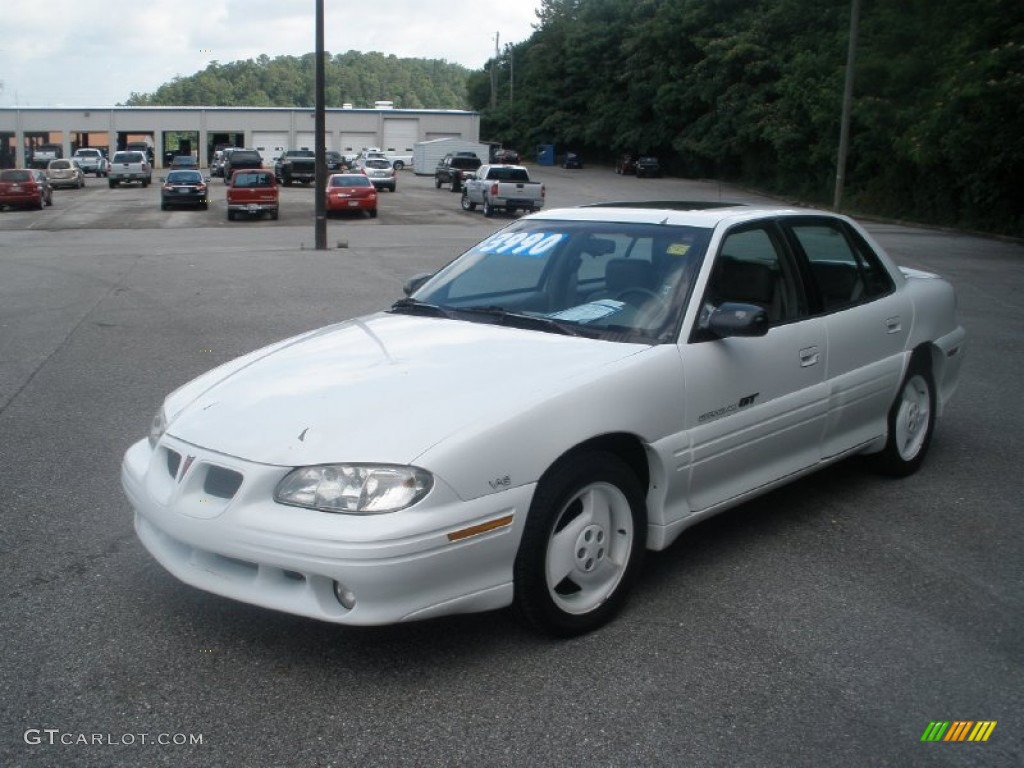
{"x": 579, "y": 387}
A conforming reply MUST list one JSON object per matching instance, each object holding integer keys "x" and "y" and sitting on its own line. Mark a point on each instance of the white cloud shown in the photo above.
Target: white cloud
{"x": 75, "y": 53}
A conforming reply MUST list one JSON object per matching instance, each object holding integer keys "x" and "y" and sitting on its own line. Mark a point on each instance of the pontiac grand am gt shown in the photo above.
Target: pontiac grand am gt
{"x": 579, "y": 387}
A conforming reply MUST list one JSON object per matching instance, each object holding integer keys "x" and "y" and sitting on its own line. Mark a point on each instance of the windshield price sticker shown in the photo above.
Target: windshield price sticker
{"x": 521, "y": 243}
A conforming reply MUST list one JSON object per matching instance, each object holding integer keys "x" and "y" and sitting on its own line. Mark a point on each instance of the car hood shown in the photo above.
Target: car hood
{"x": 383, "y": 388}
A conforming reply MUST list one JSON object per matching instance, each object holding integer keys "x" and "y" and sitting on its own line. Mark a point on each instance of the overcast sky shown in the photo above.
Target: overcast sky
{"x": 96, "y": 52}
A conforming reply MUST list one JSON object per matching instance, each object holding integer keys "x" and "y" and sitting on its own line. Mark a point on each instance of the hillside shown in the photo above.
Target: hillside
{"x": 353, "y": 78}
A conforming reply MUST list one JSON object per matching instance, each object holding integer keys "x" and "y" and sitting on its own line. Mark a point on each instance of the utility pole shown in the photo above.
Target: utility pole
{"x": 844, "y": 120}
{"x": 494, "y": 72}
{"x": 320, "y": 127}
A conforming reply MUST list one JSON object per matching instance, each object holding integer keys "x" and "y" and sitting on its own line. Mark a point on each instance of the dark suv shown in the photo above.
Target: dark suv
{"x": 454, "y": 169}
{"x": 241, "y": 159}
{"x": 648, "y": 165}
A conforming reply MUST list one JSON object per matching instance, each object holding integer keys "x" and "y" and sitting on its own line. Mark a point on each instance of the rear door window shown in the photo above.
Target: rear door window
{"x": 844, "y": 269}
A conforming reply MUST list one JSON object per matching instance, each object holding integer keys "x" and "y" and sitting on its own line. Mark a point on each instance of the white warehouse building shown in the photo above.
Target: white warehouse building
{"x": 200, "y": 130}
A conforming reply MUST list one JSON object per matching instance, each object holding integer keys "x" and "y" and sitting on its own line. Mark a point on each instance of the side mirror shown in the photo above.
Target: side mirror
{"x": 737, "y": 319}
{"x": 414, "y": 283}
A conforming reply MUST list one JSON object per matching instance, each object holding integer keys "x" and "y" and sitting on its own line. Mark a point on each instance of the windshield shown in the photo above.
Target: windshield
{"x": 619, "y": 281}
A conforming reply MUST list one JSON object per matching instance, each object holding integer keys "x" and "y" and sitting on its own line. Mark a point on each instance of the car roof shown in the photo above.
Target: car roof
{"x": 703, "y": 214}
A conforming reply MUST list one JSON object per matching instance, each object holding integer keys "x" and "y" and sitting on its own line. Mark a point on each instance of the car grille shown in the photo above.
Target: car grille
{"x": 219, "y": 482}
{"x": 222, "y": 483}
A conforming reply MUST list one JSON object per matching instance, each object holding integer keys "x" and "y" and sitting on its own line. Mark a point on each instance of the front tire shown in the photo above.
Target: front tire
{"x": 582, "y": 545}
{"x": 911, "y": 422}
{"x": 467, "y": 205}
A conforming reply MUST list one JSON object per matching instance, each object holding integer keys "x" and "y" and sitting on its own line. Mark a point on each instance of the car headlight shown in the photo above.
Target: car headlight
{"x": 157, "y": 427}
{"x": 357, "y": 489}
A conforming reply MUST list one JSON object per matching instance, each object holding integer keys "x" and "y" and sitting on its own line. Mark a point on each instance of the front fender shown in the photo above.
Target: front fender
{"x": 640, "y": 395}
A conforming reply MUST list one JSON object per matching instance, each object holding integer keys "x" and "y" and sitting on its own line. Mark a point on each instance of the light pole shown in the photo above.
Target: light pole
{"x": 320, "y": 127}
{"x": 844, "y": 120}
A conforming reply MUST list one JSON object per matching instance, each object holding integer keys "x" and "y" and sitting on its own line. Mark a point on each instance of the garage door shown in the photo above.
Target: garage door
{"x": 354, "y": 143}
{"x": 305, "y": 140}
{"x": 270, "y": 144}
{"x": 400, "y": 135}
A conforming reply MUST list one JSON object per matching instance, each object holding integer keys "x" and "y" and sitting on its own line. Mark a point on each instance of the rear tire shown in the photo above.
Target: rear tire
{"x": 911, "y": 422}
{"x": 582, "y": 544}
{"x": 373, "y": 213}
{"x": 488, "y": 208}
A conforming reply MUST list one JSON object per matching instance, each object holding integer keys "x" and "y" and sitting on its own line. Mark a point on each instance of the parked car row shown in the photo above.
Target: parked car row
{"x": 639, "y": 166}
{"x": 255, "y": 193}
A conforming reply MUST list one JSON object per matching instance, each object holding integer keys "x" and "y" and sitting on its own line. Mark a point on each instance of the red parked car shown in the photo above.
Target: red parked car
{"x": 24, "y": 187}
{"x": 351, "y": 192}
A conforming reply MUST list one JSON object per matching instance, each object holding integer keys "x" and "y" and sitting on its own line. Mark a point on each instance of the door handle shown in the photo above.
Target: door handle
{"x": 893, "y": 324}
{"x": 809, "y": 356}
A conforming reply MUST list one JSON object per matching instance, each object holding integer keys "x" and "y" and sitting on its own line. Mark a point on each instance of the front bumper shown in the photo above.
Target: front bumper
{"x": 414, "y": 564}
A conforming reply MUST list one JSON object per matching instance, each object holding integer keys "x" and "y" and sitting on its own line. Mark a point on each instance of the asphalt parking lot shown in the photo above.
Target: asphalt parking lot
{"x": 827, "y": 623}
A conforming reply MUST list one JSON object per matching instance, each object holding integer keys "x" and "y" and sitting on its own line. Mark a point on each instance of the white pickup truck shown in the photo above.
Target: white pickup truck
{"x": 399, "y": 160}
{"x": 502, "y": 187}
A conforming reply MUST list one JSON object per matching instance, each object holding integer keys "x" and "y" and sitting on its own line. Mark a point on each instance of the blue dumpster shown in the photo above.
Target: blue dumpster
{"x": 546, "y": 154}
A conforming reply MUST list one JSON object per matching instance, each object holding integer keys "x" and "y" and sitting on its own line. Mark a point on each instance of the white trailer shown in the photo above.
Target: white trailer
{"x": 427, "y": 154}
